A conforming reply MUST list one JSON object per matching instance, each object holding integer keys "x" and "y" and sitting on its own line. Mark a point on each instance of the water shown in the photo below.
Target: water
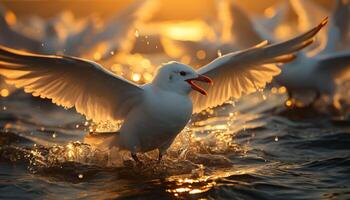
{"x": 256, "y": 149}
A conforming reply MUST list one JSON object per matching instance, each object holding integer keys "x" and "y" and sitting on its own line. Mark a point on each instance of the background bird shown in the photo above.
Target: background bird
{"x": 320, "y": 73}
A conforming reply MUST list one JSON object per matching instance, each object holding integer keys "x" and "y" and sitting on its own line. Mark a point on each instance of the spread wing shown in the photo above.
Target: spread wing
{"x": 246, "y": 71}
{"x": 70, "y": 82}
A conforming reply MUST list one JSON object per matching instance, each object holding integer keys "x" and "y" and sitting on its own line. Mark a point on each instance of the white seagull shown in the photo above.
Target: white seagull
{"x": 321, "y": 73}
{"x": 156, "y": 112}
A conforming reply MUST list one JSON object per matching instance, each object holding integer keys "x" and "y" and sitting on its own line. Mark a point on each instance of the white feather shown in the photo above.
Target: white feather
{"x": 70, "y": 82}
{"x": 246, "y": 71}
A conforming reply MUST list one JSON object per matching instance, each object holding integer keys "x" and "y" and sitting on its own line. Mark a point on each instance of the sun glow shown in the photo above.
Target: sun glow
{"x": 190, "y": 30}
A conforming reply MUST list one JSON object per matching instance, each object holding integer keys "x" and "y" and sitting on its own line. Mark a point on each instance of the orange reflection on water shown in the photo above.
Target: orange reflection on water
{"x": 204, "y": 183}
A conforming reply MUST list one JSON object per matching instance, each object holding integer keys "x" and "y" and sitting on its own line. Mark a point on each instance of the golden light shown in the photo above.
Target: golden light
{"x": 283, "y": 31}
{"x": 97, "y": 56}
{"x": 117, "y": 68}
{"x": 4, "y": 92}
{"x": 282, "y": 90}
{"x": 136, "y": 77}
{"x": 269, "y": 12}
{"x": 137, "y": 34}
{"x": 145, "y": 63}
{"x": 201, "y": 54}
{"x": 10, "y": 18}
{"x": 186, "y": 59}
{"x": 188, "y": 30}
{"x": 274, "y": 90}
{"x": 289, "y": 103}
{"x": 147, "y": 76}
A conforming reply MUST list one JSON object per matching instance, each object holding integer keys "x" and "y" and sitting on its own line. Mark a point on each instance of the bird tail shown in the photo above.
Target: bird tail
{"x": 103, "y": 140}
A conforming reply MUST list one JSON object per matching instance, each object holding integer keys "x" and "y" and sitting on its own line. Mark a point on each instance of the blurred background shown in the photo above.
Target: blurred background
{"x": 169, "y": 10}
{"x": 267, "y": 145}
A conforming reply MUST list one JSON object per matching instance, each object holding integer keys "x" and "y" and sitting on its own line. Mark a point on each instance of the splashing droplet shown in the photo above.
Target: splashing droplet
{"x": 136, "y": 77}
{"x": 137, "y": 34}
{"x": 219, "y": 53}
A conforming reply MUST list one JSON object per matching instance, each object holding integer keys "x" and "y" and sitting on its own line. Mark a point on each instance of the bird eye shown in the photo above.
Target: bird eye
{"x": 183, "y": 73}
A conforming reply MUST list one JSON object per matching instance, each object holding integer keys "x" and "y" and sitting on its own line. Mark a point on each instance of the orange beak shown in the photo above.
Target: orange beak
{"x": 201, "y": 78}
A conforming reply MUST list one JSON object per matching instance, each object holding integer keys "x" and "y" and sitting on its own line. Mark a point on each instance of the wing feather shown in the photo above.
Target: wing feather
{"x": 246, "y": 71}
{"x": 70, "y": 82}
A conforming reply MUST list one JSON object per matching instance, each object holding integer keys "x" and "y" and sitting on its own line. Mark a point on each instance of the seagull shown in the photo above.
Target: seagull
{"x": 153, "y": 114}
{"x": 321, "y": 73}
{"x": 118, "y": 33}
{"x": 10, "y": 37}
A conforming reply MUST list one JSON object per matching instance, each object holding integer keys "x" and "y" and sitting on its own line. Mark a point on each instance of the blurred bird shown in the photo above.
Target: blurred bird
{"x": 64, "y": 34}
{"x": 10, "y": 37}
{"x": 290, "y": 17}
{"x": 156, "y": 112}
{"x": 320, "y": 74}
{"x": 118, "y": 34}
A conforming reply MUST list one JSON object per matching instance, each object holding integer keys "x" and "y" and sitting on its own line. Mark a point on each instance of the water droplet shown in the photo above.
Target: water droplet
{"x": 54, "y": 135}
{"x": 137, "y": 34}
{"x": 80, "y": 176}
{"x": 136, "y": 77}
{"x": 219, "y": 53}
{"x": 276, "y": 139}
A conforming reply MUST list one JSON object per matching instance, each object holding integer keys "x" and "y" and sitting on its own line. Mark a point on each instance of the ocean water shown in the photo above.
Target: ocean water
{"x": 256, "y": 148}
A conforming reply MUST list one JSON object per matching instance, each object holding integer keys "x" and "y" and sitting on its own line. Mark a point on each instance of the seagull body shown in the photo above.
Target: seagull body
{"x": 152, "y": 114}
{"x": 156, "y": 121}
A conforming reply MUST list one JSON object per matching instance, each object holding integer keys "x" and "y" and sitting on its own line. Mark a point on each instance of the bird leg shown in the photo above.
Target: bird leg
{"x": 136, "y": 159}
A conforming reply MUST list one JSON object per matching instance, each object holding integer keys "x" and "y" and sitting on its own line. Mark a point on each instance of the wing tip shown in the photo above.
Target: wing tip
{"x": 262, "y": 44}
{"x": 324, "y": 22}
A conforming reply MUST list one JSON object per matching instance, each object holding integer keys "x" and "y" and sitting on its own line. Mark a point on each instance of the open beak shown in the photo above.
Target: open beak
{"x": 201, "y": 78}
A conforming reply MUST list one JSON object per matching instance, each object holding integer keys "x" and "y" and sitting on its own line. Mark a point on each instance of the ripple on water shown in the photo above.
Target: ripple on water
{"x": 234, "y": 152}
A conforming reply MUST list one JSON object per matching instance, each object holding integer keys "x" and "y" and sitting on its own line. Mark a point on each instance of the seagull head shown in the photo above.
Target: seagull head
{"x": 180, "y": 78}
